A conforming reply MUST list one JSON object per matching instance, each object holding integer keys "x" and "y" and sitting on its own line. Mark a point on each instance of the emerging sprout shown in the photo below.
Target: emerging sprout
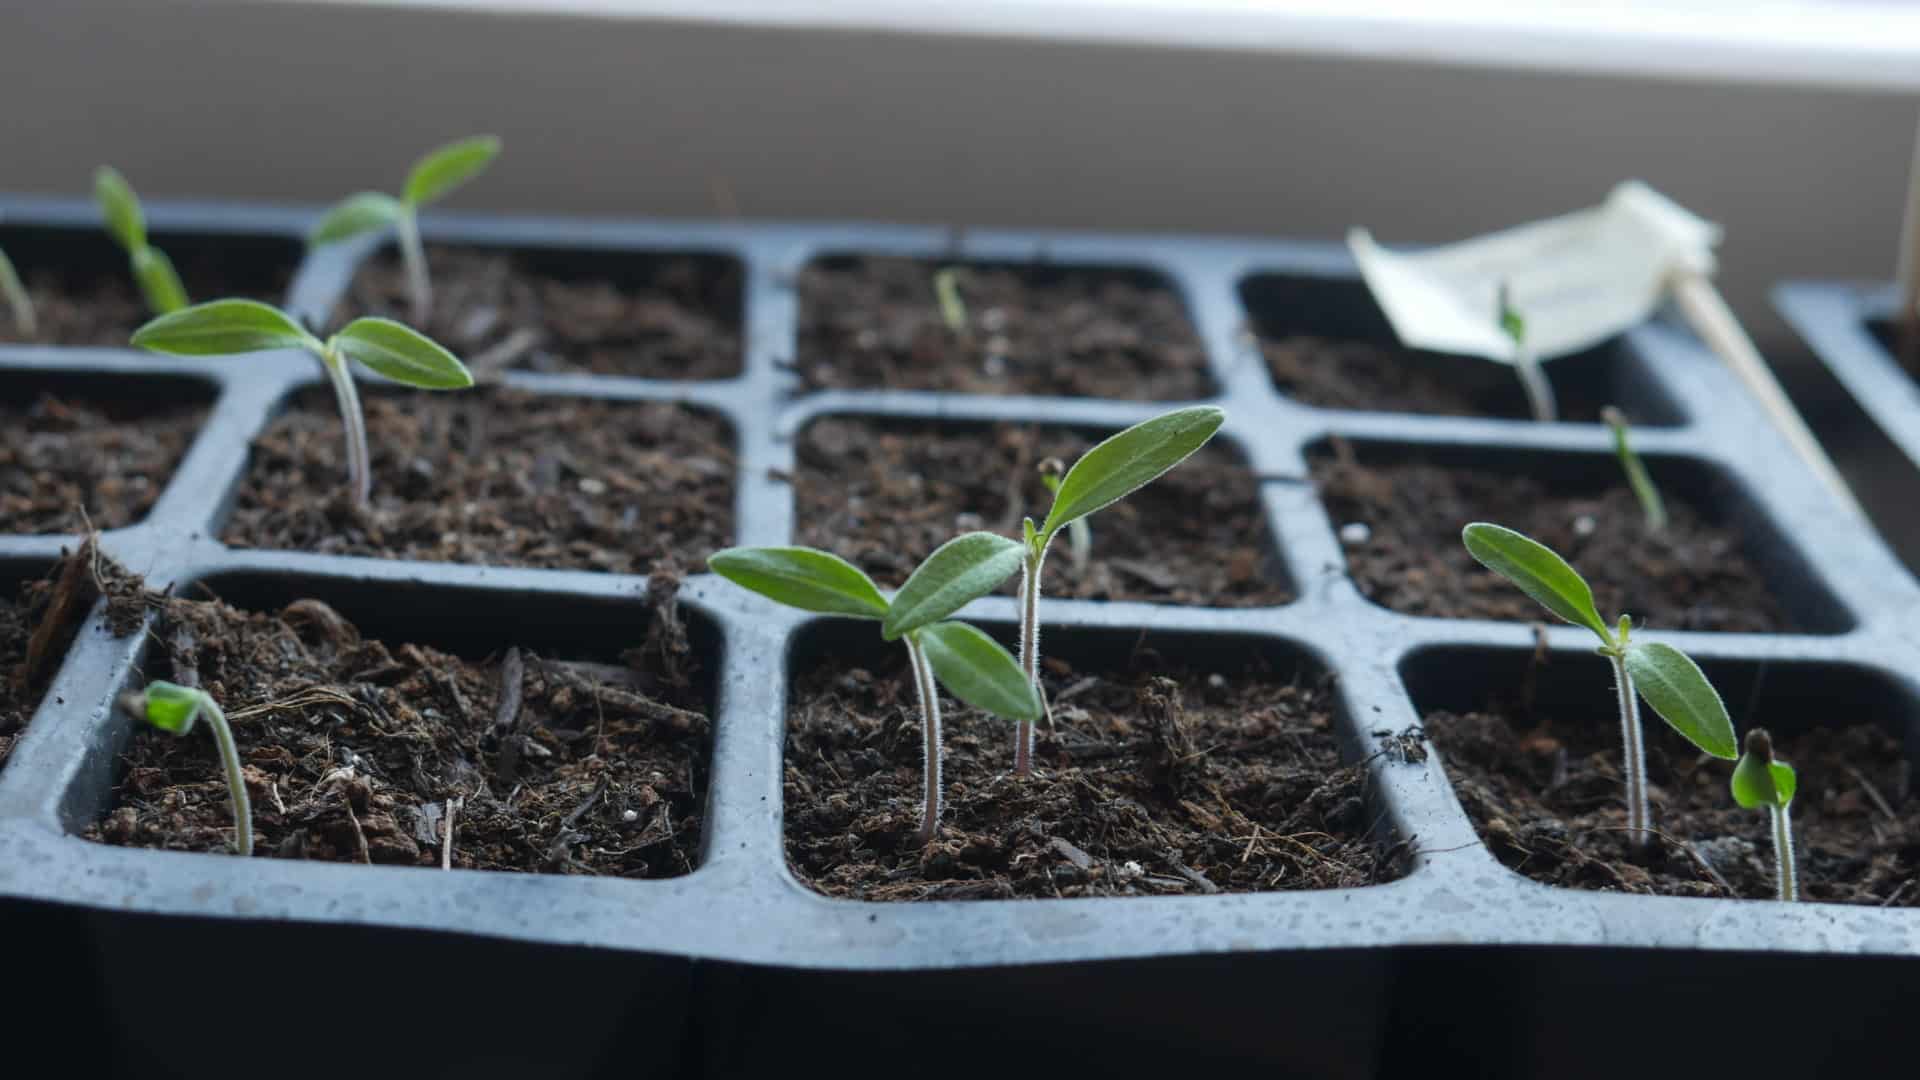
{"x": 1103, "y": 476}
{"x": 1079, "y": 533}
{"x": 1533, "y": 378}
{"x": 1637, "y": 478}
{"x": 953, "y": 309}
{"x": 1670, "y": 681}
{"x": 971, "y": 664}
{"x": 434, "y": 175}
{"x": 1764, "y": 780}
{"x": 174, "y": 708}
{"x": 15, "y": 294}
{"x": 152, "y": 270}
{"x": 226, "y": 327}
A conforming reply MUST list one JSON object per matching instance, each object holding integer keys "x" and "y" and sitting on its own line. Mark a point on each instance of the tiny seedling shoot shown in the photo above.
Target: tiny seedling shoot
{"x": 971, "y": 665}
{"x": 953, "y": 309}
{"x": 1650, "y": 502}
{"x": 174, "y": 708}
{"x": 433, "y": 176}
{"x": 1670, "y": 681}
{"x": 1079, "y": 533}
{"x": 228, "y": 327}
{"x": 1764, "y": 780}
{"x": 1103, "y": 476}
{"x": 152, "y": 270}
{"x": 14, "y": 292}
{"x": 1533, "y": 378}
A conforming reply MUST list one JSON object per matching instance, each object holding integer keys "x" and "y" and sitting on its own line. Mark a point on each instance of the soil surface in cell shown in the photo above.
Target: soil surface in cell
{"x": 39, "y": 621}
{"x": 1693, "y": 575}
{"x": 1546, "y": 794}
{"x": 885, "y": 495}
{"x": 877, "y": 323}
{"x": 64, "y": 455}
{"x": 496, "y": 477}
{"x": 359, "y": 750}
{"x": 1333, "y": 373}
{"x": 646, "y": 316}
{"x": 101, "y": 305}
{"x": 1157, "y": 780}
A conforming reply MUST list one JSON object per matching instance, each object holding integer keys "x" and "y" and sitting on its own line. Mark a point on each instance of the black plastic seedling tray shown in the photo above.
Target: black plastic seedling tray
{"x": 737, "y": 969}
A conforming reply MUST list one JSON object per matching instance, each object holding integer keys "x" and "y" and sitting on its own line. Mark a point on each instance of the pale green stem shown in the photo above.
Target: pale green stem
{"x": 1029, "y": 654}
{"x": 1533, "y": 379}
{"x": 236, "y": 780}
{"x": 1650, "y": 502}
{"x": 1785, "y": 873}
{"x": 1079, "y": 543}
{"x": 930, "y": 729}
{"x": 359, "y": 460}
{"x": 415, "y": 258}
{"x": 15, "y": 292}
{"x": 1638, "y": 816}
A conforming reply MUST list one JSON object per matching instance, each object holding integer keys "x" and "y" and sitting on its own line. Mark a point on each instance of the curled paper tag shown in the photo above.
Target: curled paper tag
{"x": 1576, "y": 279}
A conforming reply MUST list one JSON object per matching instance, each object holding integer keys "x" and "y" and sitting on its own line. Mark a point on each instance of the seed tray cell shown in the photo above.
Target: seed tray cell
{"x": 764, "y": 960}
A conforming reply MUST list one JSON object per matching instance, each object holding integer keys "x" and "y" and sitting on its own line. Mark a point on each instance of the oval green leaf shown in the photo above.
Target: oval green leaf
{"x": 402, "y": 354}
{"x": 1129, "y": 461}
{"x": 1756, "y": 784}
{"x": 171, "y": 707}
{"x": 975, "y": 669}
{"x": 158, "y": 283}
{"x": 448, "y": 167}
{"x": 355, "y": 214}
{"x": 121, "y": 207}
{"x": 1677, "y": 689}
{"x": 804, "y": 578}
{"x": 222, "y": 328}
{"x": 959, "y": 572}
{"x": 1538, "y": 572}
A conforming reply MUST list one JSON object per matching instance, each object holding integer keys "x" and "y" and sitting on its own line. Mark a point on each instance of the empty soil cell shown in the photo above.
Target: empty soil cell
{"x": 496, "y": 477}
{"x": 884, "y": 495}
{"x": 39, "y": 618}
{"x": 1544, "y": 789}
{"x": 877, "y": 323}
{"x": 72, "y": 455}
{"x": 354, "y": 748}
{"x": 580, "y": 311}
{"x": 1159, "y": 779}
{"x": 83, "y": 291}
{"x": 1694, "y": 575}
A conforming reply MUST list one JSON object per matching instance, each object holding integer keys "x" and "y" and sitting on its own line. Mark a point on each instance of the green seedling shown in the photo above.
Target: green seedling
{"x": 1079, "y": 533}
{"x": 1670, "y": 681}
{"x": 1650, "y": 502}
{"x": 971, "y": 665}
{"x": 953, "y": 309}
{"x": 174, "y": 708}
{"x": 15, "y": 294}
{"x": 1103, "y": 476}
{"x": 152, "y": 270}
{"x": 1533, "y": 378}
{"x": 439, "y": 172}
{"x": 227, "y": 327}
{"x": 1764, "y": 780}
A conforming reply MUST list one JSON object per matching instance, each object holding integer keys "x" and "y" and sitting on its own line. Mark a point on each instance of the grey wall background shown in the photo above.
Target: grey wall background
{"x": 306, "y": 101}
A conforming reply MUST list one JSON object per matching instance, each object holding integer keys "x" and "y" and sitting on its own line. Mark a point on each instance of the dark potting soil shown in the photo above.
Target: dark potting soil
{"x": 1546, "y": 795}
{"x": 883, "y": 495}
{"x": 1334, "y": 373}
{"x": 1693, "y": 575}
{"x": 1158, "y": 780}
{"x": 94, "y": 301}
{"x": 610, "y": 314}
{"x": 496, "y": 477}
{"x": 1031, "y": 329}
{"x": 353, "y": 748}
{"x": 39, "y": 622}
{"x": 69, "y": 459}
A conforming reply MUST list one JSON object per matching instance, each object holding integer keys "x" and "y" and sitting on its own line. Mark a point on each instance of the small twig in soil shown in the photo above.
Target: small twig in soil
{"x": 1195, "y": 876}
{"x": 73, "y": 594}
{"x": 313, "y": 695}
{"x": 557, "y": 852}
{"x": 500, "y": 357}
{"x": 1879, "y": 800}
{"x": 1897, "y": 893}
{"x": 506, "y": 716}
{"x": 359, "y": 834}
{"x": 446, "y": 836}
{"x": 1071, "y": 853}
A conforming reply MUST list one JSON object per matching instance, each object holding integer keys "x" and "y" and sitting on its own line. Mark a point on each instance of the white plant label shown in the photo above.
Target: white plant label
{"x": 1576, "y": 280}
